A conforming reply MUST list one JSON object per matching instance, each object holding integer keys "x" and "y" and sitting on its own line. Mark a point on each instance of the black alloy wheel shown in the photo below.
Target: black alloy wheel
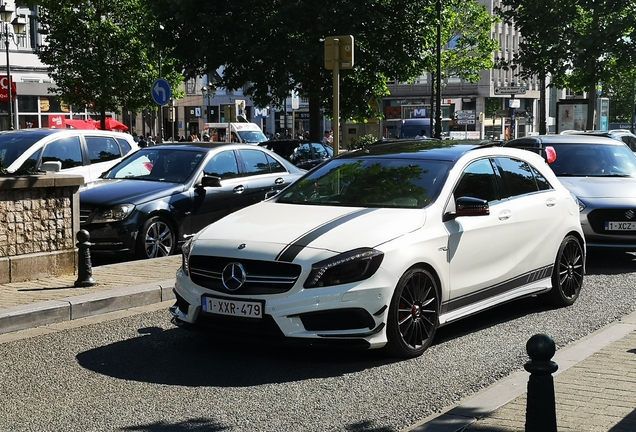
{"x": 567, "y": 275}
{"x": 156, "y": 239}
{"x": 413, "y": 314}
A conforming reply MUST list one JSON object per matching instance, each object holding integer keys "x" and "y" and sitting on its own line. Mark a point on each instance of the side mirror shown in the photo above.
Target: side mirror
{"x": 210, "y": 181}
{"x": 468, "y": 206}
{"x": 51, "y": 166}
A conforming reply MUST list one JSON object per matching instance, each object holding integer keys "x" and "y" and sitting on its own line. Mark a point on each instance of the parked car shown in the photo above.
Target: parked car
{"x": 618, "y": 134}
{"x": 150, "y": 200}
{"x": 601, "y": 172}
{"x": 378, "y": 248}
{"x": 303, "y": 154}
{"x": 69, "y": 151}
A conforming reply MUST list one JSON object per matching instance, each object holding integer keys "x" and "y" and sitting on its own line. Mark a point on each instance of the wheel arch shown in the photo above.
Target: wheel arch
{"x": 164, "y": 213}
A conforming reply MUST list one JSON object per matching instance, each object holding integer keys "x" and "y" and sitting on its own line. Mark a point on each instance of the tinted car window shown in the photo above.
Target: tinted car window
{"x": 630, "y": 141}
{"x": 370, "y": 183}
{"x": 274, "y": 165}
{"x": 12, "y": 146}
{"x": 478, "y": 181}
{"x": 222, "y": 165}
{"x": 125, "y": 146}
{"x": 102, "y": 149}
{"x": 518, "y": 177}
{"x": 66, "y": 150}
{"x": 542, "y": 182}
{"x": 255, "y": 162}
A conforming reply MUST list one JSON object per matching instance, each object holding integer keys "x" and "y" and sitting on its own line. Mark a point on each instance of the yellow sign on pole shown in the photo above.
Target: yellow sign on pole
{"x": 339, "y": 48}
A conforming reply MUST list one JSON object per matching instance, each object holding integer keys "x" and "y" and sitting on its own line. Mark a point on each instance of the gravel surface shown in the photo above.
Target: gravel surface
{"x": 142, "y": 374}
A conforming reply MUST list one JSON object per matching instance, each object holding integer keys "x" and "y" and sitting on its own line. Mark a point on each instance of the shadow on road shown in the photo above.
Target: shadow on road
{"x": 188, "y": 358}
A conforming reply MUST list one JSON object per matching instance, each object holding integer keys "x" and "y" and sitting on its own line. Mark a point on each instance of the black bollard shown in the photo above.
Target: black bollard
{"x": 84, "y": 266}
{"x": 541, "y": 405}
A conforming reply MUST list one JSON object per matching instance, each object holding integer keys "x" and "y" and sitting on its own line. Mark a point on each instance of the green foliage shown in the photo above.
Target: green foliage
{"x": 621, "y": 89}
{"x": 578, "y": 43}
{"x": 100, "y": 53}
{"x": 363, "y": 141}
{"x": 278, "y": 46}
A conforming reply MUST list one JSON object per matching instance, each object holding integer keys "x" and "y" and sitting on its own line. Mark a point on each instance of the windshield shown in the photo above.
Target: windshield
{"x": 13, "y": 145}
{"x": 584, "y": 160}
{"x": 252, "y": 136}
{"x": 415, "y": 130}
{"x": 159, "y": 164}
{"x": 399, "y": 183}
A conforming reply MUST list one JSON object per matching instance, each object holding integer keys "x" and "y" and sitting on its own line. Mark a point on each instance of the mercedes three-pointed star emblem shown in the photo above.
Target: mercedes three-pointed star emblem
{"x": 233, "y": 276}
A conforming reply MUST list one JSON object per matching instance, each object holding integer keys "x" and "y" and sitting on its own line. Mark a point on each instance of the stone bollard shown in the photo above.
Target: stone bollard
{"x": 541, "y": 405}
{"x": 84, "y": 266}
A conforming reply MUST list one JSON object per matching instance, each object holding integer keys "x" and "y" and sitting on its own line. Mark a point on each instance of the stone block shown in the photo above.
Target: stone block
{"x": 42, "y": 265}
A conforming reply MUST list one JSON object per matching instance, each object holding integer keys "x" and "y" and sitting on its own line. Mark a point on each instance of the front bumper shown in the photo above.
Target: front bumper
{"x": 353, "y": 314}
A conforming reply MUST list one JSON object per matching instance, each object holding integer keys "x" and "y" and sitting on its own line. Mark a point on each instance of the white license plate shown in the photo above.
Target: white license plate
{"x": 620, "y": 226}
{"x": 229, "y": 307}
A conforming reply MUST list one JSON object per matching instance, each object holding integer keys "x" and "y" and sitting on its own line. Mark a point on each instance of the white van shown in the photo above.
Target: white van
{"x": 249, "y": 133}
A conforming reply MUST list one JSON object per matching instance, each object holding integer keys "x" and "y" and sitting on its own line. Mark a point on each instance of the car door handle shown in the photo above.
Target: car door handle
{"x": 551, "y": 202}
{"x": 504, "y": 215}
{"x": 239, "y": 189}
{"x": 279, "y": 181}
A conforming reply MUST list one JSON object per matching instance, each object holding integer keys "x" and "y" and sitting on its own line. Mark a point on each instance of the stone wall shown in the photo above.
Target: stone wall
{"x": 39, "y": 218}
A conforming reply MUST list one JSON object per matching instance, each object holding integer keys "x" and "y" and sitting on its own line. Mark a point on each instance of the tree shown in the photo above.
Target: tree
{"x": 577, "y": 43}
{"x": 100, "y": 53}
{"x": 278, "y": 46}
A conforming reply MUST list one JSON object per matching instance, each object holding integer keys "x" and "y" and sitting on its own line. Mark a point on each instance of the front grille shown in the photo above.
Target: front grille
{"x": 597, "y": 219}
{"x": 84, "y": 215}
{"x": 262, "y": 277}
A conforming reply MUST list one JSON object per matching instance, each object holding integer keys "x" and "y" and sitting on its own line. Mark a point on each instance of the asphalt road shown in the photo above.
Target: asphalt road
{"x": 134, "y": 371}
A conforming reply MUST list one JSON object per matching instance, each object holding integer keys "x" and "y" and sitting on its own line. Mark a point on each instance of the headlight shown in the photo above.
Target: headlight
{"x": 580, "y": 203}
{"x": 352, "y": 266}
{"x": 185, "y": 256}
{"x": 114, "y": 214}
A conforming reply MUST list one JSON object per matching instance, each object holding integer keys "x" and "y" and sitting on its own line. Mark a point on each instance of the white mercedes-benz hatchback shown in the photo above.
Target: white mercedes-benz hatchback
{"x": 381, "y": 246}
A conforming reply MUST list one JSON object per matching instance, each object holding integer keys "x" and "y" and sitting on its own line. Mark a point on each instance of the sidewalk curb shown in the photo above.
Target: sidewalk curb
{"x": 456, "y": 418}
{"x": 70, "y": 308}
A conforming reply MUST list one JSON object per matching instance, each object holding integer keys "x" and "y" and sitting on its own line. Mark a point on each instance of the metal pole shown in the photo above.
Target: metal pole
{"x": 160, "y": 107}
{"x": 438, "y": 95}
{"x": 10, "y": 90}
{"x": 336, "y": 97}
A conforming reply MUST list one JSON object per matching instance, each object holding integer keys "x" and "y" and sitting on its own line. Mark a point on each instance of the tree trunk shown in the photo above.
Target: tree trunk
{"x": 315, "y": 120}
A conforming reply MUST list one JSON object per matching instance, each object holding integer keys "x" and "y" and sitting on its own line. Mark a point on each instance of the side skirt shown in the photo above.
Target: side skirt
{"x": 534, "y": 282}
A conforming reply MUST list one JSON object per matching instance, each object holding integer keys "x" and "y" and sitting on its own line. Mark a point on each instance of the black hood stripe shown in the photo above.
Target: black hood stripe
{"x": 293, "y": 249}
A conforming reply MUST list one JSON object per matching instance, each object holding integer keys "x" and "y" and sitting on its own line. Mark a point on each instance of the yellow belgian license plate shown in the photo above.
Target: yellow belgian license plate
{"x": 221, "y": 306}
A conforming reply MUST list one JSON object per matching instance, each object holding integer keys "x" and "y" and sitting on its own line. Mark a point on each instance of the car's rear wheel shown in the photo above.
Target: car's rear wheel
{"x": 413, "y": 314}
{"x": 567, "y": 275}
{"x": 155, "y": 239}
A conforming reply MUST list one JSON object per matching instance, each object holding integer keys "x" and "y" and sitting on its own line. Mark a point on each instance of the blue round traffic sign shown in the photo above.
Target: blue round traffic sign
{"x": 161, "y": 92}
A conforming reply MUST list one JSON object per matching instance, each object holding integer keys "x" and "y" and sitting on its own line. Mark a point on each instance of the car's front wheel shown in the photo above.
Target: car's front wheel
{"x": 567, "y": 275}
{"x": 414, "y": 314}
{"x": 155, "y": 239}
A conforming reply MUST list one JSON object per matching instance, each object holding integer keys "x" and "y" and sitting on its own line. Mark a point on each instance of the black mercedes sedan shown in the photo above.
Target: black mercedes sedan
{"x": 303, "y": 154}
{"x": 148, "y": 202}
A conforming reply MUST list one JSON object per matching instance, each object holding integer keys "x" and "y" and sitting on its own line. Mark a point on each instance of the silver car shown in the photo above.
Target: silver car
{"x": 601, "y": 172}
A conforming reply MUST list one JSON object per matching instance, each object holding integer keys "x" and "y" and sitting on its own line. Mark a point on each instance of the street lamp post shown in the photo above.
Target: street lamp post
{"x": 208, "y": 91}
{"x": 19, "y": 25}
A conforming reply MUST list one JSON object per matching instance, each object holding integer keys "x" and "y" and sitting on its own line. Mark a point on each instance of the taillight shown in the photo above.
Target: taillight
{"x": 550, "y": 154}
